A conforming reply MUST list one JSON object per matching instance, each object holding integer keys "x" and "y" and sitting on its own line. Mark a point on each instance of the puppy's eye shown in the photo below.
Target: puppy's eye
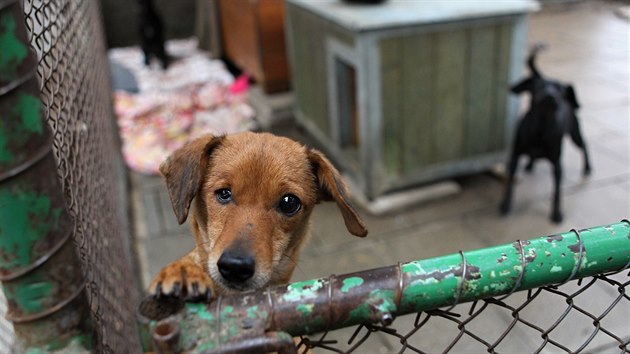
{"x": 289, "y": 205}
{"x": 224, "y": 195}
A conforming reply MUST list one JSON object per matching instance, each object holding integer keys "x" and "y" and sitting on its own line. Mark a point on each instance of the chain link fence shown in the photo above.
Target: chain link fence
{"x": 550, "y": 319}
{"x": 563, "y": 293}
{"x": 67, "y": 37}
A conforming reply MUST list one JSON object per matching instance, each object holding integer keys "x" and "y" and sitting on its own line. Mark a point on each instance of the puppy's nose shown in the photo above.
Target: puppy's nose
{"x": 236, "y": 267}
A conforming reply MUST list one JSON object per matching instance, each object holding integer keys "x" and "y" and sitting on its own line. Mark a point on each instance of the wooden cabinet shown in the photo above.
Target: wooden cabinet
{"x": 253, "y": 39}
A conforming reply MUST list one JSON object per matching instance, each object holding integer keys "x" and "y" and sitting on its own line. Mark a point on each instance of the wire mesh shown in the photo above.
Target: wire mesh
{"x": 590, "y": 315}
{"x": 75, "y": 90}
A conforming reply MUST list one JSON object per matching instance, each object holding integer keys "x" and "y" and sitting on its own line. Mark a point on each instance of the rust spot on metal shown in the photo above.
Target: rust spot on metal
{"x": 554, "y": 238}
{"x": 530, "y": 256}
{"x": 473, "y": 272}
{"x": 502, "y": 258}
{"x": 576, "y": 248}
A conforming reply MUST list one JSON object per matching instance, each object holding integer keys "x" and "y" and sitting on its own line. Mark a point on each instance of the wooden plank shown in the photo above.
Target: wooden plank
{"x": 319, "y": 73}
{"x": 303, "y": 26}
{"x": 481, "y": 91}
{"x": 391, "y": 75}
{"x": 239, "y": 28}
{"x": 449, "y": 99}
{"x": 294, "y": 34}
{"x": 416, "y": 115}
{"x": 270, "y": 15}
{"x": 503, "y": 38}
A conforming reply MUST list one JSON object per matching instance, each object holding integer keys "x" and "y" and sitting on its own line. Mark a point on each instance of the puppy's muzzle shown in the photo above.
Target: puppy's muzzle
{"x": 236, "y": 267}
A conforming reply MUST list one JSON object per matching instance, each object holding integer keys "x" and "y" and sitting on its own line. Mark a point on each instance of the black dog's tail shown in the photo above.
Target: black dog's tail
{"x": 531, "y": 60}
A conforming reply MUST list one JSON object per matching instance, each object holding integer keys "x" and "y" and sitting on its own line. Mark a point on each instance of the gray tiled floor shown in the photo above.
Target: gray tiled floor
{"x": 588, "y": 46}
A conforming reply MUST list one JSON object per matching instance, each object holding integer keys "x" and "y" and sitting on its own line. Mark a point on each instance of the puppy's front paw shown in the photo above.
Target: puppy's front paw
{"x": 183, "y": 280}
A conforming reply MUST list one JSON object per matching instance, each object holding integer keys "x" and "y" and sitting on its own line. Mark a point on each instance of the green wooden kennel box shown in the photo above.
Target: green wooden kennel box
{"x": 406, "y": 92}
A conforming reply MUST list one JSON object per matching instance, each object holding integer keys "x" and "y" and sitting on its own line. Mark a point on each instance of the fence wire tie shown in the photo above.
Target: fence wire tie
{"x": 577, "y": 267}
{"x": 627, "y": 264}
{"x": 401, "y": 286}
{"x": 521, "y": 275}
{"x": 460, "y": 285}
{"x": 218, "y": 329}
{"x": 272, "y": 313}
{"x": 330, "y": 300}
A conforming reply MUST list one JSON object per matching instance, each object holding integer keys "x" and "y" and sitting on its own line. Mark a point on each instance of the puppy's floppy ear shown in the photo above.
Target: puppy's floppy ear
{"x": 331, "y": 187}
{"x": 183, "y": 172}
{"x": 569, "y": 94}
{"x": 524, "y": 85}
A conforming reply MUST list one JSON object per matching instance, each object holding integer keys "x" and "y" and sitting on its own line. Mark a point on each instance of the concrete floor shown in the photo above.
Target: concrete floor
{"x": 588, "y": 46}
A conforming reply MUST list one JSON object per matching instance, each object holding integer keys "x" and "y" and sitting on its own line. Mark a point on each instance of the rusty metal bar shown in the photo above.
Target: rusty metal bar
{"x": 380, "y": 294}
{"x": 39, "y": 269}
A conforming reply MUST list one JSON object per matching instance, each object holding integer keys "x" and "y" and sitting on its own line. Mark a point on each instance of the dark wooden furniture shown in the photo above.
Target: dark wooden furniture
{"x": 253, "y": 39}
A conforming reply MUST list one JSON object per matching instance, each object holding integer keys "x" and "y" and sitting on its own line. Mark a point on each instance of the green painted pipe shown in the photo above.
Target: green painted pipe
{"x": 39, "y": 268}
{"x": 380, "y": 294}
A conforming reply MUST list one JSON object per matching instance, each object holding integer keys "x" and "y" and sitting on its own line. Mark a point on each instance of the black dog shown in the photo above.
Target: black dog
{"x": 540, "y": 131}
{"x": 151, "y": 34}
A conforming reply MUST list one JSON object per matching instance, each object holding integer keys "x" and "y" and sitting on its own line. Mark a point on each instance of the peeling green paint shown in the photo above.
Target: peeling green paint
{"x": 555, "y": 269}
{"x": 252, "y": 312}
{"x": 377, "y": 303}
{"x": 20, "y": 122}
{"x": 13, "y": 52}
{"x": 303, "y": 290}
{"x": 413, "y": 267}
{"x": 227, "y": 310}
{"x": 31, "y": 294}
{"x": 200, "y": 309}
{"x": 350, "y": 283}
{"x": 305, "y": 309}
{"x": 29, "y": 218}
{"x": 28, "y": 107}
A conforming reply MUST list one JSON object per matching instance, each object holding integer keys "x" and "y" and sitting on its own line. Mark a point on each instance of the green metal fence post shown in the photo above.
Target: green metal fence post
{"x": 39, "y": 268}
{"x": 380, "y": 294}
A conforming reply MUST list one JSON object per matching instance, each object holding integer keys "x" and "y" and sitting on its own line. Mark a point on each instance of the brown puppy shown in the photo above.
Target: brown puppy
{"x": 252, "y": 195}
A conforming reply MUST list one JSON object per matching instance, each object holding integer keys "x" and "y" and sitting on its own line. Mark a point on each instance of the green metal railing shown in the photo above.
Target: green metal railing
{"x": 266, "y": 320}
{"x": 39, "y": 268}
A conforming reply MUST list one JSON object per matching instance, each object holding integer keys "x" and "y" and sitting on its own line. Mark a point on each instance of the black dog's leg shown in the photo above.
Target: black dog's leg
{"x": 576, "y": 136}
{"x": 556, "y": 214}
{"x": 147, "y": 57}
{"x": 530, "y": 165}
{"x": 507, "y": 198}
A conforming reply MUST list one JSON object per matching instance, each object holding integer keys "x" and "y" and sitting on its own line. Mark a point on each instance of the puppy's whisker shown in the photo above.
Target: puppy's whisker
{"x": 297, "y": 266}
